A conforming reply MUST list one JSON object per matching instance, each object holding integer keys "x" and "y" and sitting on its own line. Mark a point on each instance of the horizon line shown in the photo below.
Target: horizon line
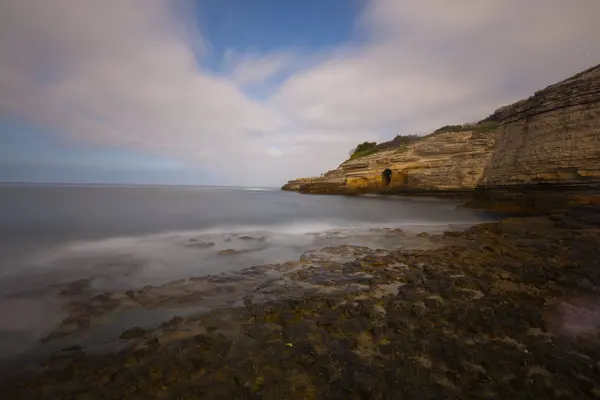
{"x": 19, "y": 183}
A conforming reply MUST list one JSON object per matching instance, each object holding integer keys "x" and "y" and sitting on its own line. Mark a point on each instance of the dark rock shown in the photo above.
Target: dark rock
{"x": 211, "y": 329}
{"x": 407, "y": 292}
{"x": 352, "y": 266}
{"x": 419, "y": 309}
{"x": 200, "y": 245}
{"x": 433, "y": 302}
{"x": 75, "y": 288}
{"x": 585, "y": 283}
{"x": 452, "y": 234}
{"x": 72, "y": 348}
{"x": 133, "y": 333}
{"x": 227, "y": 252}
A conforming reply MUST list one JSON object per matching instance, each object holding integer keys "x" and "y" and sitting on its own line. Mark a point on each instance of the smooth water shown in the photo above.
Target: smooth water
{"x": 125, "y": 237}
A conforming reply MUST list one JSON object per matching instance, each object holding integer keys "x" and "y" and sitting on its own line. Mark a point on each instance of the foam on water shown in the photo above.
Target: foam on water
{"x": 124, "y": 262}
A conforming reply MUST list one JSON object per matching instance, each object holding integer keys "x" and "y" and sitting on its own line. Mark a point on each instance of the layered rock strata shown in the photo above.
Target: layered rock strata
{"x": 442, "y": 161}
{"x": 551, "y": 137}
{"x": 548, "y": 141}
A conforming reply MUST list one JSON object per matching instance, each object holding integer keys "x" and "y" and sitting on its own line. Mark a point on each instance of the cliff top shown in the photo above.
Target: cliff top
{"x": 581, "y": 88}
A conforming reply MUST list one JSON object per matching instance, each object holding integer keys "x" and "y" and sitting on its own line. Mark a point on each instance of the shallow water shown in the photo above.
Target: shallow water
{"x": 121, "y": 238}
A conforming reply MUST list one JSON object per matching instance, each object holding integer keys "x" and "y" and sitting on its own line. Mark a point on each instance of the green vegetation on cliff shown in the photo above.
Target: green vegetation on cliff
{"x": 364, "y": 146}
{"x": 484, "y": 126}
{"x": 368, "y": 148}
{"x": 399, "y": 141}
{"x": 364, "y": 149}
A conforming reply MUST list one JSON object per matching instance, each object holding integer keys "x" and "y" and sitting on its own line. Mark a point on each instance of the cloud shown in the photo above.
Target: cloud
{"x": 248, "y": 69}
{"x": 432, "y": 63}
{"x": 129, "y": 73}
{"x": 122, "y": 73}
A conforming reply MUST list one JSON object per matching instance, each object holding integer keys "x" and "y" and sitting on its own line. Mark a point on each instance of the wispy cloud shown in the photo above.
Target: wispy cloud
{"x": 430, "y": 63}
{"x": 129, "y": 73}
{"x": 248, "y": 69}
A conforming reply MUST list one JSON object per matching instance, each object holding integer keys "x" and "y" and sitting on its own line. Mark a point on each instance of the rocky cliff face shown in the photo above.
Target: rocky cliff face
{"x": 551, "y": 138}
{"x": 442, "y": 161}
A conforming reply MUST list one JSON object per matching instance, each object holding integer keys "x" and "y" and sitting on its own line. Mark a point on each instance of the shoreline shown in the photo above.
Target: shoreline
{"x": 540, "y": 198}
{"x": 499, "y": 309}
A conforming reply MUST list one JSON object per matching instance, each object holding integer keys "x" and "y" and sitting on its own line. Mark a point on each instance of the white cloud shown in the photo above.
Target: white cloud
{"x": 121, "y": 73}
{"x": 435, "y": 62}
{"x": 128, "y": 73}
{"x": 248, "y": 69}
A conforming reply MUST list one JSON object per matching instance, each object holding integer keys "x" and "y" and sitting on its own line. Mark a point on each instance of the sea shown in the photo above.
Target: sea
{"x": 127, "y": 237}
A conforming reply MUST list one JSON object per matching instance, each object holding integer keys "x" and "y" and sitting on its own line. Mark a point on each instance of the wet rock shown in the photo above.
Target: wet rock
{"x": 453, "y": 234}
{"x": 173, "y": 322}
{"x": 199, "y": 245}
{"x": 351, "y": 266}
{"x": 133, "y": 333}
{"x": 419, "y": 309}
{"x": 72, "y": 348}
{"x": 407, "y": 292}
{"x": 227, "y": 252}
{"x": 433, "y": 301}
{"x": 415, "y": 277}
{"x": 584, "y": 283}
{"x": 75, "y": 288}
{"x": 453, "y": 322}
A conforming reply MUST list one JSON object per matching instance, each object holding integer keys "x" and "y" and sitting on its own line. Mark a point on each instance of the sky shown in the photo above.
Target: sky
{"x": 258, "y": 92}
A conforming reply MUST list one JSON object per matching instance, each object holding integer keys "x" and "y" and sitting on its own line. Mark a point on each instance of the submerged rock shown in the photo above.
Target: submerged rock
{"x": 75, "y": 288}
{"x": 199, "y": 245}
{"x": 245, "y": 237}
{"x": 227, "y": 252}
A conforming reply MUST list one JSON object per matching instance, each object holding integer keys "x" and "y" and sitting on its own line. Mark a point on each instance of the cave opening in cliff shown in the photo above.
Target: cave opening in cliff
{"x": 386, "y": 176}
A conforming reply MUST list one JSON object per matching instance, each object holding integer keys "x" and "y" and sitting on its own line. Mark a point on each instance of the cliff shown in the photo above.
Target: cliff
{"x": 441, "y": 161}
{"x": 551, "y": 138}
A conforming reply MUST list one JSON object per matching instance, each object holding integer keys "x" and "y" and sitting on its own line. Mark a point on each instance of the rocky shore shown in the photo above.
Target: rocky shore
{"x": 500, "y": 310}
{"x": 503, "y": 310}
